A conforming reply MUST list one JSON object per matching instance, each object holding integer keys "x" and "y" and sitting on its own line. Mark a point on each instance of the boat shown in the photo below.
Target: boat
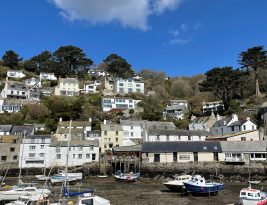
{"x": 250, "y": 196}
{"x": 178, "y": 183}
{"x": 13, "y": 193}
{"x": 131, "y": 177}
{"x": 31, "y": 200}
{"x": 42, "y": 177}
{"x": 58, "y": 178}
{"x": 78, "y": 175}
{"x": 198, "y": 185}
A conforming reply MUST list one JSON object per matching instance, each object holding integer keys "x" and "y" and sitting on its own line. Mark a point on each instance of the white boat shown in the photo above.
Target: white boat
{"x": 42, "y": 177}
{"x": 250, "y": 196}
{"x": 58, "y": 178}
{"x": 78, "y": 175}
{"x": 31, "y": 200}
{"x": 22, "y": 189}
{"x": 178, "y": 183}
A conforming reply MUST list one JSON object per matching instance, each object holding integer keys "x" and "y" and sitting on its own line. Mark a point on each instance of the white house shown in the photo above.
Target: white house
{"x": 33, "y": 83}
{"x": 15, "y": 74}
{"x": 155, "y": 135}
{"x": 176, "y": 109}
{"x": 215, "y": 106}
{"x": 14, "y": 89}
{"x": 47, "y": 76}
{"x": 34, "y": 151}
{"x": 80, "y": 152}
{"x": 109, "y": 103}
{"x": 92, "y": 87}
{"x": 231, "y": 125}
{"x": 67, "y": 87}
{"x": 5, "y": 129}
{"x": 129, "y": 85}
{"x": 10, "y": 106}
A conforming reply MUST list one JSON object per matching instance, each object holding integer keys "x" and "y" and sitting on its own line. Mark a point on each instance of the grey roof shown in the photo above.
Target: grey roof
{"x": 14, "y": 85}
{"x": 22, "y": 128}
{"x": 200, "y": 119}
{"x": 178, "y": 132}
{"x": 160, "y": 125}
{"x": 75, "y": 143}
{"x": 111, "y": 127}
{"x": 5, "y": 128}
{"x": 188, "y": 146}
{"x": 176, "y": 107}
{"x": 178, "y": 101}
{"x": 133, "y": 148}
{"x": 237, "y": 123}
{"x": 37, "y": 136}
{"x": 243, "y": 146}
{"x": 220, "y": 123}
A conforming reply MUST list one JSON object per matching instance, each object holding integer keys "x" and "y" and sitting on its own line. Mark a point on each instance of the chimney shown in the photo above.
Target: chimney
{"x": 218, "y": 117}
{"x": 224, "y": 122}
{"x": 90, "y": 119}
{"x": 60, "y": 119}
{"x": 247, "y": 118}
{"x": 234, "y": 117}
{"x": 105, "y": 122}
{"x": 193, "y": 117}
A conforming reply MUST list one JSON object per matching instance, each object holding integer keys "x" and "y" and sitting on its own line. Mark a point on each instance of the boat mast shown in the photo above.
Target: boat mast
{"x": 21, "y": 158}
{"x": 67, "y": 156}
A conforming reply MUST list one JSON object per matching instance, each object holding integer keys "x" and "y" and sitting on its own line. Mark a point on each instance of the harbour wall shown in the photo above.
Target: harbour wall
{"x": 228, "y": 172}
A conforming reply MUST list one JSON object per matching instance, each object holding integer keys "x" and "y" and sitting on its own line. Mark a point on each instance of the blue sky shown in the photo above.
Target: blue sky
{"x": 179, "y": 37}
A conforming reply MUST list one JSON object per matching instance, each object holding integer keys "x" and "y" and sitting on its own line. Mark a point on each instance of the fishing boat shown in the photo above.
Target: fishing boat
{"x": 131, "y": 177}
{"x": 250, "y": 196}
{"x": 36, "y": 199}
{"x": 13, "y": 193}
{"x": 198, "y": 185}
{"x": 178, "y": 183}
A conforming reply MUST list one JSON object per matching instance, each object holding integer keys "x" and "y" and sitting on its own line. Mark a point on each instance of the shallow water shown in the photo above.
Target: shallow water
{"x": 151, "y": 192}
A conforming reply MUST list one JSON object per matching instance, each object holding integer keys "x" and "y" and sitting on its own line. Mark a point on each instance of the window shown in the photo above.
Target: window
{"x": 243, "y": 138}
{"x": 131, "y": 127}
{"x": 167, "y": 138}
{"x": 189, "y": 138}
{"x": 175, "y": 156}
{"x": 138, "y": 90}
{"x": 117, "y": 132}
{"x": 14, "y": 141}
{"x": 15, "y": 157}
{"x": 41, "y": 154}
{"x": 117, "y": 139}
{"x": 3, "y": 158}
{"x": 131, "y": 134}
{"x": 12, "y": 149}
{"x": 87, "y": 156}
{"x": 31, "y": 154}
{"x": 157, "y": 137}
{"x": 244, "y": 127}
{"x": 32, "y": 140}
{"x": 70, "y": 149}
{"x": 233, "y": 128}
{"x": 43, "y": 140}
{"x": 253, "y": 127}
{"x": 42, "y": 146}
{"x": 105, "y": 132}
{"x": 80, "y": 156}
{"x": 58, "y": 149}
{"x": 73, "y": 156}
{"x": 156, "y": 157}
{"x": 130, "y": 90}
{"x": 91, "y": 147}
{"x": 137, "y": 85}
{"x": 93, "y": 156}
{"x": 32, "y": 147}
{"x": 80, "y": 148}
{"x": 58, "y": 156}
{"x": 121, "y": 84}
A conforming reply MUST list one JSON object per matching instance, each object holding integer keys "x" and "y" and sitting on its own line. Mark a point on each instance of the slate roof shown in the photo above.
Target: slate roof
{"x": 74, "y": 124}
{"x": 37, "y": 136}
{"x": 14, "y": 85}
{"x": 132, "y": 123}
{"x": 133, "y": 148}
{"x": 75, "y": 142}
{"x": 220, "y": 123}
{"x": 66, "y": 131}
{"x": 200, "y": 119}
{"x": 176, "y": 107}
{"x": 160, "y": 125}
{"x": 69, "y": 80}
{"x": 21, "y": 128}
{"x": 182, "y": 146}
{"x": 237, "y": 123}
{"x": 228, "y": 135}
{"x": 5, "y": 128}
{"x": 111, "y": 127}
{"x": 244, "y": 146}
{"x": 178, "y": 132}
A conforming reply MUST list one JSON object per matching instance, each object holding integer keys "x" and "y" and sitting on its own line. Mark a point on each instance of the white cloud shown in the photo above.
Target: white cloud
{"x": 178, "y": 41}
{"x": 197, "y": 26}
{"x": 175, "y": 33}
{"x": 184, "y": 27}
{"x": 129, "y": 13}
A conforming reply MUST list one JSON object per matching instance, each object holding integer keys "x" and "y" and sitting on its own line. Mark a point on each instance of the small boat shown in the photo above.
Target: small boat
{"x": 178, "y": 183}
{"x": 131, "y": 177}
{"x": 58, "y": 178}
{"x": 31, "y": 200}
{"x": 42, "y": 177}
{"x": 198, "y": 185}
{"x": 21, "y": 189}
{"x": 78, "y": 175}
{"x": 250, "y": 196}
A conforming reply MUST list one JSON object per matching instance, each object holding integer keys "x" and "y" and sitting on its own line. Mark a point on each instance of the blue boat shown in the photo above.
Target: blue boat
{"x": 198, "y": 185}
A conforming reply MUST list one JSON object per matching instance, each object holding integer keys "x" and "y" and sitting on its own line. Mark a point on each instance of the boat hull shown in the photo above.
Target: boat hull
{"x": 174, "y": 187}
{"x": 205, "y": 189}
{"x": 127, "y": 177}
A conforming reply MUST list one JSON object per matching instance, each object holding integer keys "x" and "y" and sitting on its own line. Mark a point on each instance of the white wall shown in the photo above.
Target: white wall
{"x": 164, "y": 138}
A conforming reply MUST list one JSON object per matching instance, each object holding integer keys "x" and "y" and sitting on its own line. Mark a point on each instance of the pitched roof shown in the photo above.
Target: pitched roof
{"x": 22, "y": 128}
{"x": 237, "y": 123}
{"x": 69, "y": 80}
{"x": 176, "y": 107}
{"x": 182, "y": 146}
{"x": 228, "y": 135}
{"x": 111, "y": 127}
{"x": 159, "y": 125}
{"x": 132, "y": 122}
{"x": 75, "y": 142}
{"x": 220, "y": 123}
{"x": 178, "y": 132}
{"x": 5, "y": 128}
{"x": 244, "y": 146}
{"x": 74, "y": 123}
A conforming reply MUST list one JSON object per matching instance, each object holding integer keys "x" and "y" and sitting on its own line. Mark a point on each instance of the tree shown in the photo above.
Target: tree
{"x": 11, "y": 59}
{"x": 118, "y": 66}
{"x": 253, "y": 59}
{"x": 43, "y": 62}
{"x": 225, "y": 83}
{"x": 71, "y": 60}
